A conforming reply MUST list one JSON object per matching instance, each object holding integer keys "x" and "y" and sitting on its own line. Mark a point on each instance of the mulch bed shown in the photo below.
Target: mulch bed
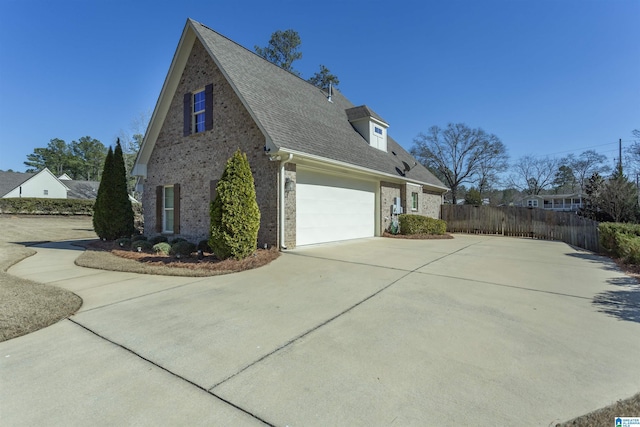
{"x": 208, "y": 262}
{"x": 418, "y": 236}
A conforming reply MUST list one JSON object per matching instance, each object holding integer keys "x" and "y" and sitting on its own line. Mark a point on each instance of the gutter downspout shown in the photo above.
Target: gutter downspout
{"x": 282, "y": 213}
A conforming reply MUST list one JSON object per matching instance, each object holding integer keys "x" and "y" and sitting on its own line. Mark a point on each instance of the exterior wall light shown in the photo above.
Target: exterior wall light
{"x": 289, "y": 185}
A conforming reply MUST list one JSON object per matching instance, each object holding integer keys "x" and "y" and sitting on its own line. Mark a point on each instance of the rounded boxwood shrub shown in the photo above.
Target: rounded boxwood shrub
{"x": 176, "y": 240}
{"x": 182, "y": 248}
{"x": 142, "y": 244}
{"x": 138, "y": 238}
{"x": 162, "y": 248}
{"x": 235, "y": 216}
{"x": 158, "y": 239}
{"x": 124, "y": 243}
{"x": 418, "y": 224}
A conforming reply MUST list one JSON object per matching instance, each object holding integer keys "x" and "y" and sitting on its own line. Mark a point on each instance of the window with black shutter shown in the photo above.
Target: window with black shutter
{"x": 198, "y": 111}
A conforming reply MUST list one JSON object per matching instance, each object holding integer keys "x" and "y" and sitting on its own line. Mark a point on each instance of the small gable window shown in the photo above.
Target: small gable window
{"x": 378, "y": 130}
{"x": 46, "y": 192}
{"x": 198, "y": 111}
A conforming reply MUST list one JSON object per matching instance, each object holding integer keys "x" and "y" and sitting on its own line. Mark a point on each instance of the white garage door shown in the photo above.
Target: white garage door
{"x": 331, "y": 208}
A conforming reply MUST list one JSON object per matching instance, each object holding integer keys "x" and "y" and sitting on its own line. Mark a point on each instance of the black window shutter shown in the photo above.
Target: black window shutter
{"x": 159, "y": 208}
{"x": 208, "y": 107}
{"x": 187, "y": 114}
{"x": 176, "y": 208}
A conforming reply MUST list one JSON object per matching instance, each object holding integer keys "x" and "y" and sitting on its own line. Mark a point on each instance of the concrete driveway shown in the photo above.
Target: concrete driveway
{"x": 476, "y": 330}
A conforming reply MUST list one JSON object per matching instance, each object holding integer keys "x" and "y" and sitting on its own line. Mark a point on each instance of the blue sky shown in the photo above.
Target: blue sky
{"x": 547, "y": 77}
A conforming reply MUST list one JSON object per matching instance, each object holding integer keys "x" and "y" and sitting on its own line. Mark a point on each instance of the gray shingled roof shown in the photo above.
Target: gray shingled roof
{"x": 297, "y": 116}
{"x": 82, "y": 189}
{"x": 11, "y": 180}
{"x": 362, "y": 112}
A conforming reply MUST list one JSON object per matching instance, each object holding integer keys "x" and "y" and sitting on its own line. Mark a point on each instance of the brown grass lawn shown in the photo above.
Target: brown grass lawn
{"x": 27, "y": 306}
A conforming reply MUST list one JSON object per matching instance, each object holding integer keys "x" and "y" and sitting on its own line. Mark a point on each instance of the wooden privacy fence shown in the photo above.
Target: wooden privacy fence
{"x": 567, "y": 227}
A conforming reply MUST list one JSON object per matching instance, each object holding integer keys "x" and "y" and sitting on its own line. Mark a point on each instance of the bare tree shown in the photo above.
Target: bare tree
{"x": 532, "y": 174}
{"x": 585, "y": 165}
{"x": 632, "y": 153}
{"x": 459, "y": 154}
{"x": 494, "y": 161}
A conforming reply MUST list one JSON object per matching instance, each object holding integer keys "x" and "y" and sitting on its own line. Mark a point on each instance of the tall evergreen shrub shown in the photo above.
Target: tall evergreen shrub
{"x": 112, "y": 212}
{"x": 235, "y": 216}
{"x": 101, "y": 220}
{"x": 122, "y": 210}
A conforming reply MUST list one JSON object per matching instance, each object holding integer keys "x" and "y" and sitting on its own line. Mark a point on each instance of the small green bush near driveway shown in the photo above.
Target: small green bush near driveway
{"x": 182, "y": 248}
{"x": 162, "y": 248}
{"x": 621, "y": 241}
{"x": 418, "y": 224}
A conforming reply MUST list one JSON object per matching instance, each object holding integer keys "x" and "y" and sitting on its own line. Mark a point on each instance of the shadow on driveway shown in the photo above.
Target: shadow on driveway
{"x": 623, "y": 303}
{"x": 605, "y": 262}
{"x": 74, "y": 245}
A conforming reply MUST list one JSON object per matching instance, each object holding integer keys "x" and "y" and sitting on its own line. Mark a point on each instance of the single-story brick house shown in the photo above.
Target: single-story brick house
{"x": 324, "y": 169}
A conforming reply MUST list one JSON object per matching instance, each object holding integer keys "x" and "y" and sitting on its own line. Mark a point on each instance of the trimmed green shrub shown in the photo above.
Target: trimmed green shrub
{"x": 182, "y": 248}
{"x": 235, "y": 216}
{"x": 177, "y": 240}
{"x": 418, "y": 224}
{"x": 34, "y": 206}
{"x": 203, "y": 245}
{"x": 142, "y": 244}
{"x": 162, "y": 248}
{"x": 138, "y": 238}
{"x": 621, "y": 241}
{"x": 158, "y": 239}
{"x": 124, "y": 242}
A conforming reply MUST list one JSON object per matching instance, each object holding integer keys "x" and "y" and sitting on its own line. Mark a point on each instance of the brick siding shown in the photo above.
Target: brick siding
{"x": 194, "y": 161}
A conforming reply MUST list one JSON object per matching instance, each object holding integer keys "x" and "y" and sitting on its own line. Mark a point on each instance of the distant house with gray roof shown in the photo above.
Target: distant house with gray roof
{"x": 45, "y": 184}
{"x": 324, "y": 169}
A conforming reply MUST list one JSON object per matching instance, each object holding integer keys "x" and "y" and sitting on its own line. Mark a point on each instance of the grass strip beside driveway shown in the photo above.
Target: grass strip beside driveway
{"x": 27, "y": 306}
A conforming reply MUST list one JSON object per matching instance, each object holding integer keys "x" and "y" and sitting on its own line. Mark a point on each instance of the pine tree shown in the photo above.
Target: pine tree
{"x": 620, "y": 198}
{"x": 112, "y": 212}
{"x": 235, "y": 216}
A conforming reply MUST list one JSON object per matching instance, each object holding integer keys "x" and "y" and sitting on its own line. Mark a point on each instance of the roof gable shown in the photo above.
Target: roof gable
{"x": 11, "y": 180}
{"x": 17, "y": 179}
{"x": 294, "y": 115}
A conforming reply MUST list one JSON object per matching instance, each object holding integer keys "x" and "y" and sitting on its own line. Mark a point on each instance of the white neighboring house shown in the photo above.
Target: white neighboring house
{"x": 43, "y": 185}
{"x": 554, "y": 202}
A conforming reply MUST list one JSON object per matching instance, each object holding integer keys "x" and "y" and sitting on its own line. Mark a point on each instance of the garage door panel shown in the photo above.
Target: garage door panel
{"x": 331, "y": 208}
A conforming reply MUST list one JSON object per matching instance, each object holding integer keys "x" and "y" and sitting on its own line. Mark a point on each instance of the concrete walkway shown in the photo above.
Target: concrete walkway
{"x": 476, "y": 330}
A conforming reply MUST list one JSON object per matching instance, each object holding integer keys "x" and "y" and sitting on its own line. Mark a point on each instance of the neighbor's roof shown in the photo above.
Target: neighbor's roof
{"x": 11, "y": 180}
{"x": 82, "y": 189}
{"x": 297, "y": 116}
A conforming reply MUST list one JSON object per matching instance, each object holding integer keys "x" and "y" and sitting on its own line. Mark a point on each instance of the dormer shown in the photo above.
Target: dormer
{"x": 370, "y": 125}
